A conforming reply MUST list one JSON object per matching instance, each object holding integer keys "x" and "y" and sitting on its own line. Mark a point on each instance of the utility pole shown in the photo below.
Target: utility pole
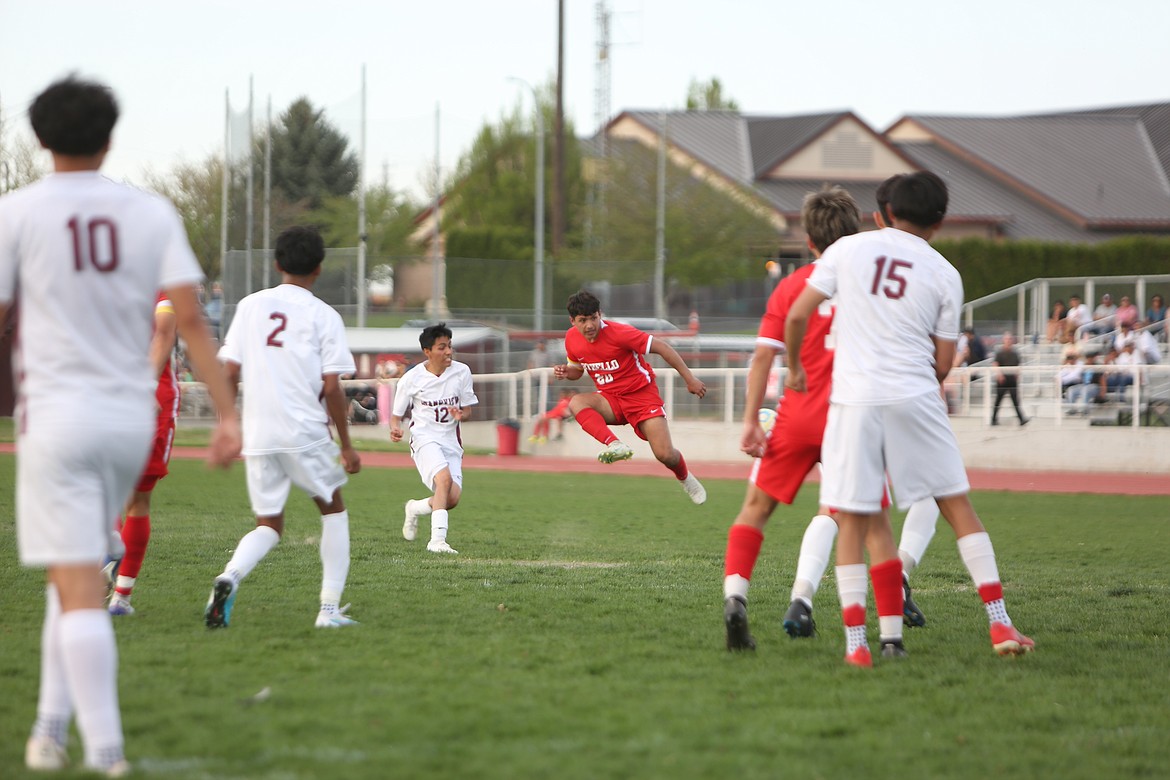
{"x": 558, "y": 201}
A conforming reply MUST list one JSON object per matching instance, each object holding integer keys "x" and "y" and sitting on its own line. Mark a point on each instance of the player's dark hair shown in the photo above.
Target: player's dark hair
{"x": 433, "y": 333}
{"x": 299, "y": 250}
{"x": 584, "y": 303}
{"x": 920, "y": 199}
{"x": 882, "y": 195}
{"x": 74, "y": 117}
{"x": 829, "y": 214}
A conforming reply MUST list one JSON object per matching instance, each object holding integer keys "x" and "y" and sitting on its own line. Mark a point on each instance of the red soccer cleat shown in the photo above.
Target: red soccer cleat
{"x": 1008, "y": 641}
{"x": 860, "y": 657}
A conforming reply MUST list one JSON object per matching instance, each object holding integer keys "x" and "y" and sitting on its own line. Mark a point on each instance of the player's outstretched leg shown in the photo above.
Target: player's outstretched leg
{"x": 735, "y": 618}
{"x": 694, "y": 489}
{"x": 617, "y": 450}
{"x": 415, "y": 508}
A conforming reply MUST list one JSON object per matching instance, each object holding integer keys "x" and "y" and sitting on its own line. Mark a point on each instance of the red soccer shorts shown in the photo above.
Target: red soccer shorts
{"x": 632, "y": 408}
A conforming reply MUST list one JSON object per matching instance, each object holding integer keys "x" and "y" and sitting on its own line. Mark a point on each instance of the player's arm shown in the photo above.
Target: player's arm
{"x": 795, "y": 326}
{"x": 675, "y": 361}
{"x": 461, "y": 413}
{"x": 753, "y": 440}
{"x": 944, "y": 357}
{"x": 201, "y": 353}
{"x": 569, "y": 371}
{"x": 162, "y": 343}
{"x": 338, "y": 409}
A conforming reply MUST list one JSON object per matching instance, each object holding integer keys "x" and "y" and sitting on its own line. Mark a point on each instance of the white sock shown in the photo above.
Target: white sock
{"x": 90, "y": 656}
{"x": 439, "y": 525}
{"x": 334, "y": 558}
{"x": 852, "y": 587}
{"x": 54, "y": 708}
{"x": 736, "y": 585}
{"x": 815, "y": 548}
{"x": 251, "y": 550}
{"x": 419, "y": 506}
{"x": 127, "y": 583}
{"x": 979, "y": 557}
{"x": 917, "y": 531}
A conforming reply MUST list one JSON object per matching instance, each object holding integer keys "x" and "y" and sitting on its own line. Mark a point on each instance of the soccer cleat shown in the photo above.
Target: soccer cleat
{"x": 335, "y": 618}
{"x": 694, "y": 489}
{"x": 110, "y": 574}
{"x": 736, "y": 619}
{"x": 45, "y": 754}
{"x": 911, "y": 614}
{"x": 218, "y": 613}
{"x": 410, "y": 525}
{"x": 440, "y": 546}
{"x": 1008, "y": 641}
{"x": 893, "y": 649}
{"x": 860, "y": 657}
{"x": 798, "y": 620}
{"x": 120, "y": 605}
{"x": 614, "y": 452}
{"x": 119, "y": 768}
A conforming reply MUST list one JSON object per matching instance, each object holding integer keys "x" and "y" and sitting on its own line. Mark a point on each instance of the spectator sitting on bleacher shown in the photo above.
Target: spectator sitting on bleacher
{"x": 1127, "y": 363}
{"x": 1104, "y": 316}
{"x": 1078, "y": 315}
{"x": 1156, "y": 315}
{"x": 1055, "y": 331}
{"x": 1125, "y": 335}
{"x": 1090, "y": 388}
{"x": 363, "y": 408}
{"x": 1127, "y": 313}
{"x": 1072, "y": 371}
{"x": 1147, "y": 345}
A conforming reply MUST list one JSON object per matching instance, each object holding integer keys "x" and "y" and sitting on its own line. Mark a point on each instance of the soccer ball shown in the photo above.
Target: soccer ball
{"x": 767, "y": 418}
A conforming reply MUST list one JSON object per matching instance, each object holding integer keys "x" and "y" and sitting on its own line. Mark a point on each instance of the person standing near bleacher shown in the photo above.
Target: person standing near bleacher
{"x": 1007, "y": 382}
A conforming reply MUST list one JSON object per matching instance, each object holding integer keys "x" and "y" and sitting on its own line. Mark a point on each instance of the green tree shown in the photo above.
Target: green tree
{"x": 709, "y": 97}
{"x": 21, "y": 160}
{"x": 196, "y": 190}
{"x": 311, "y": 161}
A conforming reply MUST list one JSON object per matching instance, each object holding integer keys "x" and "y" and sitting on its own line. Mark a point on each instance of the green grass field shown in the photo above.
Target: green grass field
{"x": 579, "y": 635}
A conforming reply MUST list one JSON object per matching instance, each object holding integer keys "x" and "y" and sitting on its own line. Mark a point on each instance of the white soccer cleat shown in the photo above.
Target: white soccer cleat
{"x": 120, "y": 605}
{"x": 410, "y": 524}
{"x": 335, "y": 618}
{"x": 120, "y": 768}
{"x": 694, "y": 489}
{"x": 614, "y": 452}
{"x": 440, "y": 546}
{"x": 45, "y": 754}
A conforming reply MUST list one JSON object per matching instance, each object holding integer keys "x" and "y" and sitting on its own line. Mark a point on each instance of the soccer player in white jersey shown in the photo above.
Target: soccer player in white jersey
{"x": 438, "y": 394}
{"x": 87, "y": 258}
{"x": 897, "y": 322}
{"x": 288, "y": 346}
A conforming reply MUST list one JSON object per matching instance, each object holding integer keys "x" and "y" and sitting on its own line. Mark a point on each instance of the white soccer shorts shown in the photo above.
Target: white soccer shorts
{"x": 911, "y": 441}
{"x": 432, "y": 457}
{"x": 71, "y": 485}
{"x": 316, "y": 470}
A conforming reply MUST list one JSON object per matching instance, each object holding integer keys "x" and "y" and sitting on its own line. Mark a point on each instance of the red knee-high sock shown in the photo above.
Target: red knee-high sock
{"x": 593, "y": 424}
{"x": 680, "y": 469}
{"x": 743, "y": 548}
{"x": 135, "y": 535}
{"x": 887, "y": 587}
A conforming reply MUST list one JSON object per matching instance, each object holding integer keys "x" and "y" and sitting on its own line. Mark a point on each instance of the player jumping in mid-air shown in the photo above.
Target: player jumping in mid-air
{"x": 896, "y": 326}
{"x": 289, "y": 347}
{"x": 613, "y": 354}
{"x": 439, "y": 395}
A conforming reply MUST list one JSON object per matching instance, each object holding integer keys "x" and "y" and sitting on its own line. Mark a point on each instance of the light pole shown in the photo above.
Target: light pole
{"x": 538, "y": 273}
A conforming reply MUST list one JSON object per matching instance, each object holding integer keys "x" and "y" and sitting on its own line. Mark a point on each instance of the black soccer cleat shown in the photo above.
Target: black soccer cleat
{"x": 736, "y": 620}
{"x": 911, "y": 614}
{"x": 798, "y": 620}
{"x": 893, "y": 649}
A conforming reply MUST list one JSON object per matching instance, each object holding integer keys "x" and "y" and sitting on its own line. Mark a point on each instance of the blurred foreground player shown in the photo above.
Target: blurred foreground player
{"x": 88, "y": 257}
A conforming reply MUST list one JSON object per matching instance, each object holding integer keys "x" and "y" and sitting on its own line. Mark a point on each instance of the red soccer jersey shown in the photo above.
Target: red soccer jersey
{"x": 615, "y": 360}
{"x": 806, "y": 410}
{"x": 167, "y": 394}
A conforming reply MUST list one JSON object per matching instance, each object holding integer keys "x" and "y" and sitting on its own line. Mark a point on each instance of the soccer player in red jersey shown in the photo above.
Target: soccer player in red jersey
{"x": 136, "y": 522}
{"x": 613, "y": 354}
{"x": 540, "y": 431}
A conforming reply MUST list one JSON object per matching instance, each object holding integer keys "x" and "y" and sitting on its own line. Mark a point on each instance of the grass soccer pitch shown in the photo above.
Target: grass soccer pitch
{"x": 579, "y": 634}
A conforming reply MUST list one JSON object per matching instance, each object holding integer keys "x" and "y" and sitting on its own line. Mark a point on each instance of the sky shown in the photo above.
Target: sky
{"x": 171, "y": 63}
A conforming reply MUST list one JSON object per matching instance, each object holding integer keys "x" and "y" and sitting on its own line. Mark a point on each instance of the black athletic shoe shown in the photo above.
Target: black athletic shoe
{"x": 894, "y": 649}
{"x": 911, "y": 614}
{"x": 798, "y": 620}
{"x": 735, "y": 618}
